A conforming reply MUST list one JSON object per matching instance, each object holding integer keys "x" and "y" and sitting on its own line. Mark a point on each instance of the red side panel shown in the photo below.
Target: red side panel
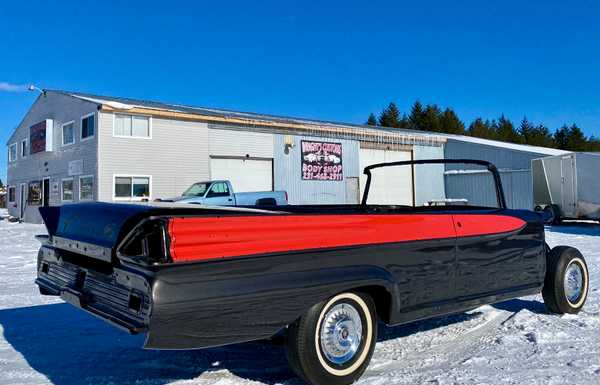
{"x": 472, "y": 225}
{"x": 204, "y": 238}
{"x": 196, "y": 239}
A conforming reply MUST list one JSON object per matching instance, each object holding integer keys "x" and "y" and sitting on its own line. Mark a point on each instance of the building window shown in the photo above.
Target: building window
{"x": 132, "y": 187}
{"x": 12, "y": 152}
{"x": 23, "y": 148}
{"x": 86, "y": 188}
{"x": 34, "y": 197}
{"x": 88, "y": 126}
{"x": 67, "y": 189}
{"x": 132, "y": 126}
{"x": 12, "y": 194}
{"x": 68, "y": 133}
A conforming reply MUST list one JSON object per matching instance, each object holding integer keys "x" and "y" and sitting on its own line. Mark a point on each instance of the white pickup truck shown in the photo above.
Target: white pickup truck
{"x": 220, "y": 193}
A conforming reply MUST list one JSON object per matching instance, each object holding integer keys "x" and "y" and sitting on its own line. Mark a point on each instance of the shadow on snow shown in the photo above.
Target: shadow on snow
{"x": 72, "y": 347}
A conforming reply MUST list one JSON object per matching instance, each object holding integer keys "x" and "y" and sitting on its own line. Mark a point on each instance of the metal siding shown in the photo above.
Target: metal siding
{"x": 515, "y": 167}
{"x": 288, "y": 172}
{"x": 175, "y": 157}
{"x": 503, "y": 158}
{"x": 53, "y": 164}
{"x": 477, "y": 188}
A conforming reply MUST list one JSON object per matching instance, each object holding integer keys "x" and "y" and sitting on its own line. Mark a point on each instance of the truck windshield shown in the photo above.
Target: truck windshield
{"x": 196, "y": 190}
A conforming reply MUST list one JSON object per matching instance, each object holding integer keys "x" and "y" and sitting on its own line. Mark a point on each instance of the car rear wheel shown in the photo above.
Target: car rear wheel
{"x": 333, "y": 342}
{"x": 567, "y": 280}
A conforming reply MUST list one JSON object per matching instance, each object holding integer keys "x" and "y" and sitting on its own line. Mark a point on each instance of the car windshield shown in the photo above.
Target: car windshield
{"x": 433, "y": 184}
{"x": 197, "y": 189}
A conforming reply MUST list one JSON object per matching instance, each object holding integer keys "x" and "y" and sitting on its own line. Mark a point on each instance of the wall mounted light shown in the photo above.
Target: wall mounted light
{"x": 289, "y": 144}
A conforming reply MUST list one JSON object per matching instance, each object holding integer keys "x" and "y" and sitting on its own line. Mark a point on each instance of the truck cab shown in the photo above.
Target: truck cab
{"x": 221, "y": 193}
{"x": 213, "y": 193}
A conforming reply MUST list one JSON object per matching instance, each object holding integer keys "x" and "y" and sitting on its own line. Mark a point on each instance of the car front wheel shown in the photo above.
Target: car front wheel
{"x": 567, "y": 280}
{"x": 333, "y": 342}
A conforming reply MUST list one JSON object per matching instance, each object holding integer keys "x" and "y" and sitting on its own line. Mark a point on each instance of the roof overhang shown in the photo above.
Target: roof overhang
{"x": 309, "y": 128}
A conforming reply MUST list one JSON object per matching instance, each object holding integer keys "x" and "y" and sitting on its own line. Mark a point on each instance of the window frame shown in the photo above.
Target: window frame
{"x": 62, "y": 133}
{"x": 26, "y": 141}
{"x": 217, "y": 194}
{"x": 81, "y": 138}
{"x": 131, "y": 198}
{"x": 79, "y": 187}
{"x": 114, "y": 124}
{"x": 8, "y": 194}
{"x": 62, "y": 196}
{"x": 15, "y": 145}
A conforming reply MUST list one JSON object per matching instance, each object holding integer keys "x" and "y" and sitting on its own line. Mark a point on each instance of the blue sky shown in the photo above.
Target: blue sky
{"x": 335, "y": 61}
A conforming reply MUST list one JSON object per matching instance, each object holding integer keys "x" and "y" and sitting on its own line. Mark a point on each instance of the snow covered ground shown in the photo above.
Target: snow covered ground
{"x": 44, "y": 340}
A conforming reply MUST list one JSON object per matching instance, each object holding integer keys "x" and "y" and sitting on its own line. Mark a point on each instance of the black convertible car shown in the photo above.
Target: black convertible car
{"x": 193, "y": 277}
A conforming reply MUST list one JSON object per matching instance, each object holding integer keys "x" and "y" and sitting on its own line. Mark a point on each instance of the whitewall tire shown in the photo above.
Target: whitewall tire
{"x": 333, "y": 342}
{"x": 567, "y": 280}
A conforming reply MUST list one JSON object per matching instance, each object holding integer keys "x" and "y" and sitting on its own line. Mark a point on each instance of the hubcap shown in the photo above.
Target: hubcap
{"x": 573, "y": 282}
{"x": 341, "y": 333}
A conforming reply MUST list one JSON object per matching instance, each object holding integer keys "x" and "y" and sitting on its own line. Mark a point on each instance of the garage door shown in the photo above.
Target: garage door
{"x": 389, "y": 185}
{"x": 244, "y": 174}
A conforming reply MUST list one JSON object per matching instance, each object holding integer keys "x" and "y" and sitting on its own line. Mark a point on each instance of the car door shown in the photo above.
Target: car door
{"x": 425, "y": 268}
{"x": 219, "y": 194}
{"x": 491, "y": 253}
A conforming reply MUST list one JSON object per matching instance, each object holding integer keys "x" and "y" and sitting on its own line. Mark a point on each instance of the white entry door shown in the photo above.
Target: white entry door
{"x": 389, "y": 185}
{"x": 244, "y": 174}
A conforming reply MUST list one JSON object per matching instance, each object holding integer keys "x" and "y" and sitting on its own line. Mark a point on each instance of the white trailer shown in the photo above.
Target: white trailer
{"x": 567, "y": 186}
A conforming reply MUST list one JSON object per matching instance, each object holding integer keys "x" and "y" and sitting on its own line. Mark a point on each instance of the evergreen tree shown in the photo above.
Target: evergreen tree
{"x": 431, "y": 119}
{"x": 404, "y": 122}
{"x": 526, "y": 129}
{"x": 416, "y": 117}
{"x": 506, "y": 132}
{"x": 481, "y": 129}
{"x": 372, "y": 120}
{"x": 593, "y": 144}
{"x": 560, "y": 137}
{"x": 576, "y": 140}
{"x": 1, "y": 184}
{"x": 390, "y": 116}
{"x": 541, "y": 136}
{"x": 450, "y": 123}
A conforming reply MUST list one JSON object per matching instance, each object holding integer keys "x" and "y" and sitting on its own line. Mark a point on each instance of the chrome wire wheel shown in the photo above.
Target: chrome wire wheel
{"x": 573, "y": 283}
{"x": 341, "y": 333}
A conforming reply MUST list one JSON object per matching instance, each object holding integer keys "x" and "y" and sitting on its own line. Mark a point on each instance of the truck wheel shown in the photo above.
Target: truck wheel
{"x": 567, "y": 280}
{"x": 333, "y": 342}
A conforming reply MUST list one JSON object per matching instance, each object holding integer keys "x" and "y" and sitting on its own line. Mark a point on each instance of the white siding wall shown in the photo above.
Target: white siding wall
{"x": 175, "y": 157}
{"x": 240, "y": 143}
{"x": 34, "y": 167}
{"x": 429, "y": 178}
